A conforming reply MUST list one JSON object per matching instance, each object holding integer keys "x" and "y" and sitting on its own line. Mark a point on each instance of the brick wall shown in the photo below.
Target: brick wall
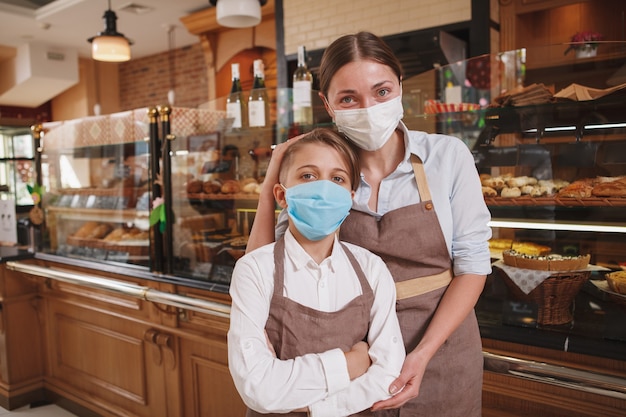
{"x": 316, "y": 24}
{"x": 144, "y": 82}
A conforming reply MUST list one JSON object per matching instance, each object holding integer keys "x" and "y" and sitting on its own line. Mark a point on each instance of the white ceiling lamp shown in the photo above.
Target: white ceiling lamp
{"x": 110, "y": 45}
{"x": 238, "y": 13}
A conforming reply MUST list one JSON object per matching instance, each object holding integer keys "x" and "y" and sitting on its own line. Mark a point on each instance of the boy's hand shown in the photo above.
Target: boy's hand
{"x": 358, "y": 360}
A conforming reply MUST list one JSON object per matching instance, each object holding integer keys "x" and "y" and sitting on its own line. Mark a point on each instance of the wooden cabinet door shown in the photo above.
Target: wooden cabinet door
{"x": 103, "y": 359}
{"x": 207, "y": 387}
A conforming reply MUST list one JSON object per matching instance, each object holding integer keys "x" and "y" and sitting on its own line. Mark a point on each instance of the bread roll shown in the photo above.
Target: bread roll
{"x": 211, "y": 186}
{"x": 230, "y": 187}
{"x": 194, "y": 186}
{"x": 510, "y": 192}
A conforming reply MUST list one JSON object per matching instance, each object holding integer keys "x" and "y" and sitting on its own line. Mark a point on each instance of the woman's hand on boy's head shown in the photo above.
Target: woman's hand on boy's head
{"x": 273, "y": 168}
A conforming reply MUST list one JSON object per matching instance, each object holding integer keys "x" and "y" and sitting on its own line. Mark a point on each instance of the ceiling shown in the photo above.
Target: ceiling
{"x": 69, "y": 23}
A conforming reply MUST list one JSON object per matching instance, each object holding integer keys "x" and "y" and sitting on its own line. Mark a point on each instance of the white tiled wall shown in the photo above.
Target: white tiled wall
{"x": 316, "y": 24}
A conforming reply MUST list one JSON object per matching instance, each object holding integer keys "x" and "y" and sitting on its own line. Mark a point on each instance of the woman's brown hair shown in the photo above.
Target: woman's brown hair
{"x": 350, "y": 48}
{"x": 327, "y": 137}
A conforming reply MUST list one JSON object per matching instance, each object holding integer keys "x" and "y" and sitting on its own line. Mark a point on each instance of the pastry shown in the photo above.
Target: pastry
{"x": 230, "y": 187}
{"x": 553, "y": 262}
{"x": 100, "y": 231}
{"x": 577, "y": 189}
{"x": 489, "y": 192}
{"x": 500, "y": 244}
{"x": 86, "y": 229}
{"x": 615, "y": 188}
{"x": 510, "y": 192}
{"x": 194, "y": 186}
{"x": 496, "y": 183}
{"x": 617, "y": 281}
{"x": 530, "y": 248}
{"x": 520, "y": 181}
{"x": 211, "y": 186}
{"x": 115, "y": 235}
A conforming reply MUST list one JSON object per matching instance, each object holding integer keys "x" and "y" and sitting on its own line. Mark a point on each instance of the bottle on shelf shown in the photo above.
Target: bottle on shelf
{"x": 302, "y": 86}
{"x": 236, "y": 107}
{"x": 258, "y": 103}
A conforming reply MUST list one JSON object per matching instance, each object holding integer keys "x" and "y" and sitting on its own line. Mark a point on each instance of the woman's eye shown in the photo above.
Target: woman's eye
{"x": 383, "y": 93}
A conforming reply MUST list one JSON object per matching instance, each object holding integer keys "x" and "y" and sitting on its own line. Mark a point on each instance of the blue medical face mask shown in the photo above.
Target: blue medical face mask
{"x": 317, "y": 208}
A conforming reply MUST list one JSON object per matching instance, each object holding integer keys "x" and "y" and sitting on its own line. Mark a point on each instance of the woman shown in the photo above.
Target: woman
{"x": 420, "y": 207}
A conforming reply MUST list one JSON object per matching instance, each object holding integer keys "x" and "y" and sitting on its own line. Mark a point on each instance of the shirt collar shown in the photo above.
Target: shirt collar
{"x": 300, "y": 258}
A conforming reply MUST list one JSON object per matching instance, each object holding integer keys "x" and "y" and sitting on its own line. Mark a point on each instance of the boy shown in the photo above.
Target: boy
{"x": 302, "y": 306}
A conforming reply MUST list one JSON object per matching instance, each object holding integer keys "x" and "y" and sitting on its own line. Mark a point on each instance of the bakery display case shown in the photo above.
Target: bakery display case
{"x": 548, "y": 135}
{"x": 173, "y": 190}
{"x": 95, "y": 178}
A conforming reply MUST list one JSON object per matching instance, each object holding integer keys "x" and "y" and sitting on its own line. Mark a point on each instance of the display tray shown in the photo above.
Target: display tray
{"x": 616, "y": 297}
{"x": 557, "y": 201}
{"x": 220, "y": 196}
{"x": 126, "y": 197}
{"x": 132, "y": 247}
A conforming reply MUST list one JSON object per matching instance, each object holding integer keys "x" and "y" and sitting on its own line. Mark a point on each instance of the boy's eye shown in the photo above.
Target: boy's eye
{"x": 346, "y": 100}
{"x": 308, "y": 176}
{"x": 338, "y": 179}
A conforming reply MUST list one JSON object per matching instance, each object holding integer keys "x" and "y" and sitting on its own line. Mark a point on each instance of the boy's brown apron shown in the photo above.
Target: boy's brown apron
{"x": 411, "y": 243}
{"x": 294, "y": 329}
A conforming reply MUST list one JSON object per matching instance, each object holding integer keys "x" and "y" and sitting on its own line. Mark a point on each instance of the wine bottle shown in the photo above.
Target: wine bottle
{"x": 302, "y": 85}
{"x": 258, "y": 103}
{"x": 235, "y": 103}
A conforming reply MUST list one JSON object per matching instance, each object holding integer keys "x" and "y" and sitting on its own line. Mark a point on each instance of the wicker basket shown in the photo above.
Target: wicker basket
{"x": 553, "y": 297}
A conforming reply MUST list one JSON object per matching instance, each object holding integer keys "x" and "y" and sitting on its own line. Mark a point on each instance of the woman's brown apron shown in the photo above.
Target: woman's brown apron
{"x": 411, "y": 243}
{"x": 294, "y": 329}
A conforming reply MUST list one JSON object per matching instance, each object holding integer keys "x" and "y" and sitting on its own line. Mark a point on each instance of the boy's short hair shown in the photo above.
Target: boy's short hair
{"x": 328, "y": 137}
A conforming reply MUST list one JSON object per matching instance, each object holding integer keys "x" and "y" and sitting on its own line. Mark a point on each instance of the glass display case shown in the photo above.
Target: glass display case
{"x": 548, "y": 133}
{"x": 177, "y": 188}
{"x": 95, "y": 177}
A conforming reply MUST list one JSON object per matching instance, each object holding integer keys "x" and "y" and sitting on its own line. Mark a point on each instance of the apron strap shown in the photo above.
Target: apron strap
{"x": 420, "y": 178}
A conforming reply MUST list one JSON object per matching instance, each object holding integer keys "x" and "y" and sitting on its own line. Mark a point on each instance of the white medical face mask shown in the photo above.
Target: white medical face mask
{"x": 371, "y": 127}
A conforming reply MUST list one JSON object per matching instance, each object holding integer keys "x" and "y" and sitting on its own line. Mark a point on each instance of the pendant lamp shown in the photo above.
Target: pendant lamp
{"x": 110, "y": 45}
{"x": 238, "y": 13}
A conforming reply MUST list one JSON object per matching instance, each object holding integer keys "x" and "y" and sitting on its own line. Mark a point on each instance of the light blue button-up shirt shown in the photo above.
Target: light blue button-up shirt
{"x": 455, "y": 190}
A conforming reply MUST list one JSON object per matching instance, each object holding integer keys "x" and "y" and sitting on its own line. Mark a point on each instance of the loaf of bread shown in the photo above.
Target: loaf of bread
{"x": 614, "y": 188}
{"x": 100, "y": 231}
{"x": 86, "y": 229}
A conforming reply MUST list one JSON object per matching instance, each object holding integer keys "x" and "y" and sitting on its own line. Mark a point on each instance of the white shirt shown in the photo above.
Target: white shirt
{"x": 319, "y": 381}
{"x": 456, "y": 193}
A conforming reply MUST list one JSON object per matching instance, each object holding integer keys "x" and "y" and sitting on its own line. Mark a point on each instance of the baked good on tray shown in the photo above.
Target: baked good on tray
{"x": 611, "y": 188}
{"x": 617, "y": 281}
{"x": 552, "y": 262}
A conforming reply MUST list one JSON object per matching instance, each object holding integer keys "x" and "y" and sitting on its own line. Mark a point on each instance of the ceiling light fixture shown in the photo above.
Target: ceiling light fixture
{"x": 238, "y": 13}
{"x": 110, "y": 45}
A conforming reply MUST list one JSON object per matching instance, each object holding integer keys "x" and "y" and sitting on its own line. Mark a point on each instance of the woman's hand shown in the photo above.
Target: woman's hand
{"x": 407, "y": 385}
{"x": 358, "y": 360}
{"x": 262, "y": 231}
